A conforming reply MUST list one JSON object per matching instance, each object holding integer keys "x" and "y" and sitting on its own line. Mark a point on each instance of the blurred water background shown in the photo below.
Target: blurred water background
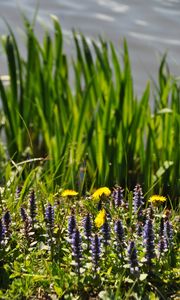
{"x": 150, "y": 27}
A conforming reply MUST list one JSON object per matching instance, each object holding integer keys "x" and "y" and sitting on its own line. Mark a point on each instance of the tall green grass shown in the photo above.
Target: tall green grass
{"x": 94, "y": 131}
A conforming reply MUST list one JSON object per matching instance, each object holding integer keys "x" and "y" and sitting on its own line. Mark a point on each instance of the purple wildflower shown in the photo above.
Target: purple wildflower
{"x": 96, "y": 250}
{"x": 118, "y": 196}
{"x": 49, "y": 217}
{"x": 132, "y": 253}
{"x": 119, "y": 230}
{"x": 24, "y": 215}
{"x": 71, "y": 223}
{"x": 106, "y": 233}
{"x": 149, "y": 241}
{"x": 27, "y": 230}
{"x": 138, "y": 200}
{"x": 161, "y": 227}
{"x": 168, "y": 232}
{"x": 18, "y": 192}
{"x": 162, "y": 244}
{"x": 7, "y": 221}
{"x": 2, "y": 231}
{"x": 139, "y": 228}
{"x": 77, "y": 248}
{"x": 150, "y": 212}
{"x": 87, "y": 224}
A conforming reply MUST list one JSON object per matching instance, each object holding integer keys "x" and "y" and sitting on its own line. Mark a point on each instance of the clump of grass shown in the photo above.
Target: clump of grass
{"x": 62, "y": 253}
{"x": 94, "y": 131}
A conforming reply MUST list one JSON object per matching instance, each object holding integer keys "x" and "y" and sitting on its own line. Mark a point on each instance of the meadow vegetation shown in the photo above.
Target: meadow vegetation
{"x": 61, "y": 237}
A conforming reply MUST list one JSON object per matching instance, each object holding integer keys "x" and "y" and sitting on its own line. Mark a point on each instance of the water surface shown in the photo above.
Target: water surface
{"x": 150, "y": 27}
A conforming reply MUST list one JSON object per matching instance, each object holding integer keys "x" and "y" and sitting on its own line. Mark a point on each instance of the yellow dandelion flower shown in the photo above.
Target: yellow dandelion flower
{"x": 101, "y": 191}
{"x": 100, "y": 218}
{"x": 67, "y": 193}
{"x": 157, "y": 198}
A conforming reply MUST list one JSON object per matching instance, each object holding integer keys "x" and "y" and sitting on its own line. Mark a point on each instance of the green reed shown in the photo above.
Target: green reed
{"x": 95, "y": 130}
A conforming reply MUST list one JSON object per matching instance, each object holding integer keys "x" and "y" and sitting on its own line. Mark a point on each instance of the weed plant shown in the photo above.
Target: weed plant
{"x": 117, "y": 245}
{"x": 94, "y": 131}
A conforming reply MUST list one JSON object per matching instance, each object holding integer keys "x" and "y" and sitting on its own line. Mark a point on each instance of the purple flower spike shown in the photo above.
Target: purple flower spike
{"x": 132, "y": 253}
{"x": 139, "y": 228}
{"x": 49, "y": 216}
{"x": 18, "y": 192}
{"x": 162, "y": 245}
{"x": 23, "y": 213}
{"x": 96, "y": 250}
{"x": 71, "y": 224}
{"x": 106, "y": 233}
{"x": 149, "y": 241}
{"x": 161, "y": 228}
{"x": 27, "y": 224}
{"x": 138, "y": 200}
{"x": 119, "y": 230}
{"x": 77, "y": 248}
{"x": 168, "y": 232}
{"x": 7, "y": 221}
{"x": 2, "y": 231}
{"x": 87, "y": 224}
{"x": 118, "y": 196}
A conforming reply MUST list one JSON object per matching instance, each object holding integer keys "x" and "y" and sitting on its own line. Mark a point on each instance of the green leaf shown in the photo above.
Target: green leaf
{"x": 161, "y": 171}
{"x": 58, "y": 290}
{"x": 143, "y": 276}
{"x": 165, "y": 111}
{"x": 129, "y": 280}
